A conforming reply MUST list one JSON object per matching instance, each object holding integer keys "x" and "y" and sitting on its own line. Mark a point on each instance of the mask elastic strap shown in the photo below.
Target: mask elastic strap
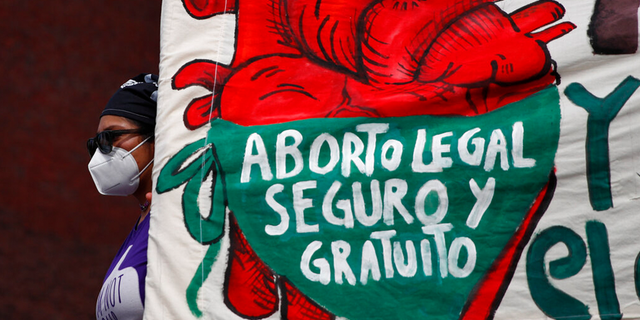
{"x": 138, "y": 146}
{"x": 142, "y": 171}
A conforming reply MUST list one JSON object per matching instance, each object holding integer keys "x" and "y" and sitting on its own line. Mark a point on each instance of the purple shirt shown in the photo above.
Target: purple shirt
{"x": 122, "y": 294}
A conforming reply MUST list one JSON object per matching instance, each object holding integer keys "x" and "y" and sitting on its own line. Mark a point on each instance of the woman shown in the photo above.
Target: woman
{"x": 121, "y": 164}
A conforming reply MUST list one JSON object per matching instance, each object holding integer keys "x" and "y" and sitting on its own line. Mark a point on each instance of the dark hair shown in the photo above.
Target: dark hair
{"x": 146, "y": 129}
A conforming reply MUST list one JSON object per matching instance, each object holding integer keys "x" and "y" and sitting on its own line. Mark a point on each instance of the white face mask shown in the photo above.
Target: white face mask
{"x": 116, "y": 173}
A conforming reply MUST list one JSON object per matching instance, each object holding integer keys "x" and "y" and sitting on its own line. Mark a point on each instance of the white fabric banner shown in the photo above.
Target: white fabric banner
{"x": 453, "y": 159}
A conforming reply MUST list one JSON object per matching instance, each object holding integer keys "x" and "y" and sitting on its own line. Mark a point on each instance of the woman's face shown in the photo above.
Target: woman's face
{"x": 143, "y": 155}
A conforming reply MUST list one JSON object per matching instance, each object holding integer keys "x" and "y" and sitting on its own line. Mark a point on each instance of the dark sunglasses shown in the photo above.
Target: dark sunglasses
{"x": 104, "y": 140}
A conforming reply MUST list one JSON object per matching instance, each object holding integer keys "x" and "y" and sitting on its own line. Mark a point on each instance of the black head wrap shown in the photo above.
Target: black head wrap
{"x": 136, "y": 99}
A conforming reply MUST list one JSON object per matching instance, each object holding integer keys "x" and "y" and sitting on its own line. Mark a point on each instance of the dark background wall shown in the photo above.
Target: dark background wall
{"x": 61, "y": 61}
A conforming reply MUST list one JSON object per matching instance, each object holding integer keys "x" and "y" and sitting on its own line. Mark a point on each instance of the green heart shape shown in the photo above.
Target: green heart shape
{"x": 435, "y": 253}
